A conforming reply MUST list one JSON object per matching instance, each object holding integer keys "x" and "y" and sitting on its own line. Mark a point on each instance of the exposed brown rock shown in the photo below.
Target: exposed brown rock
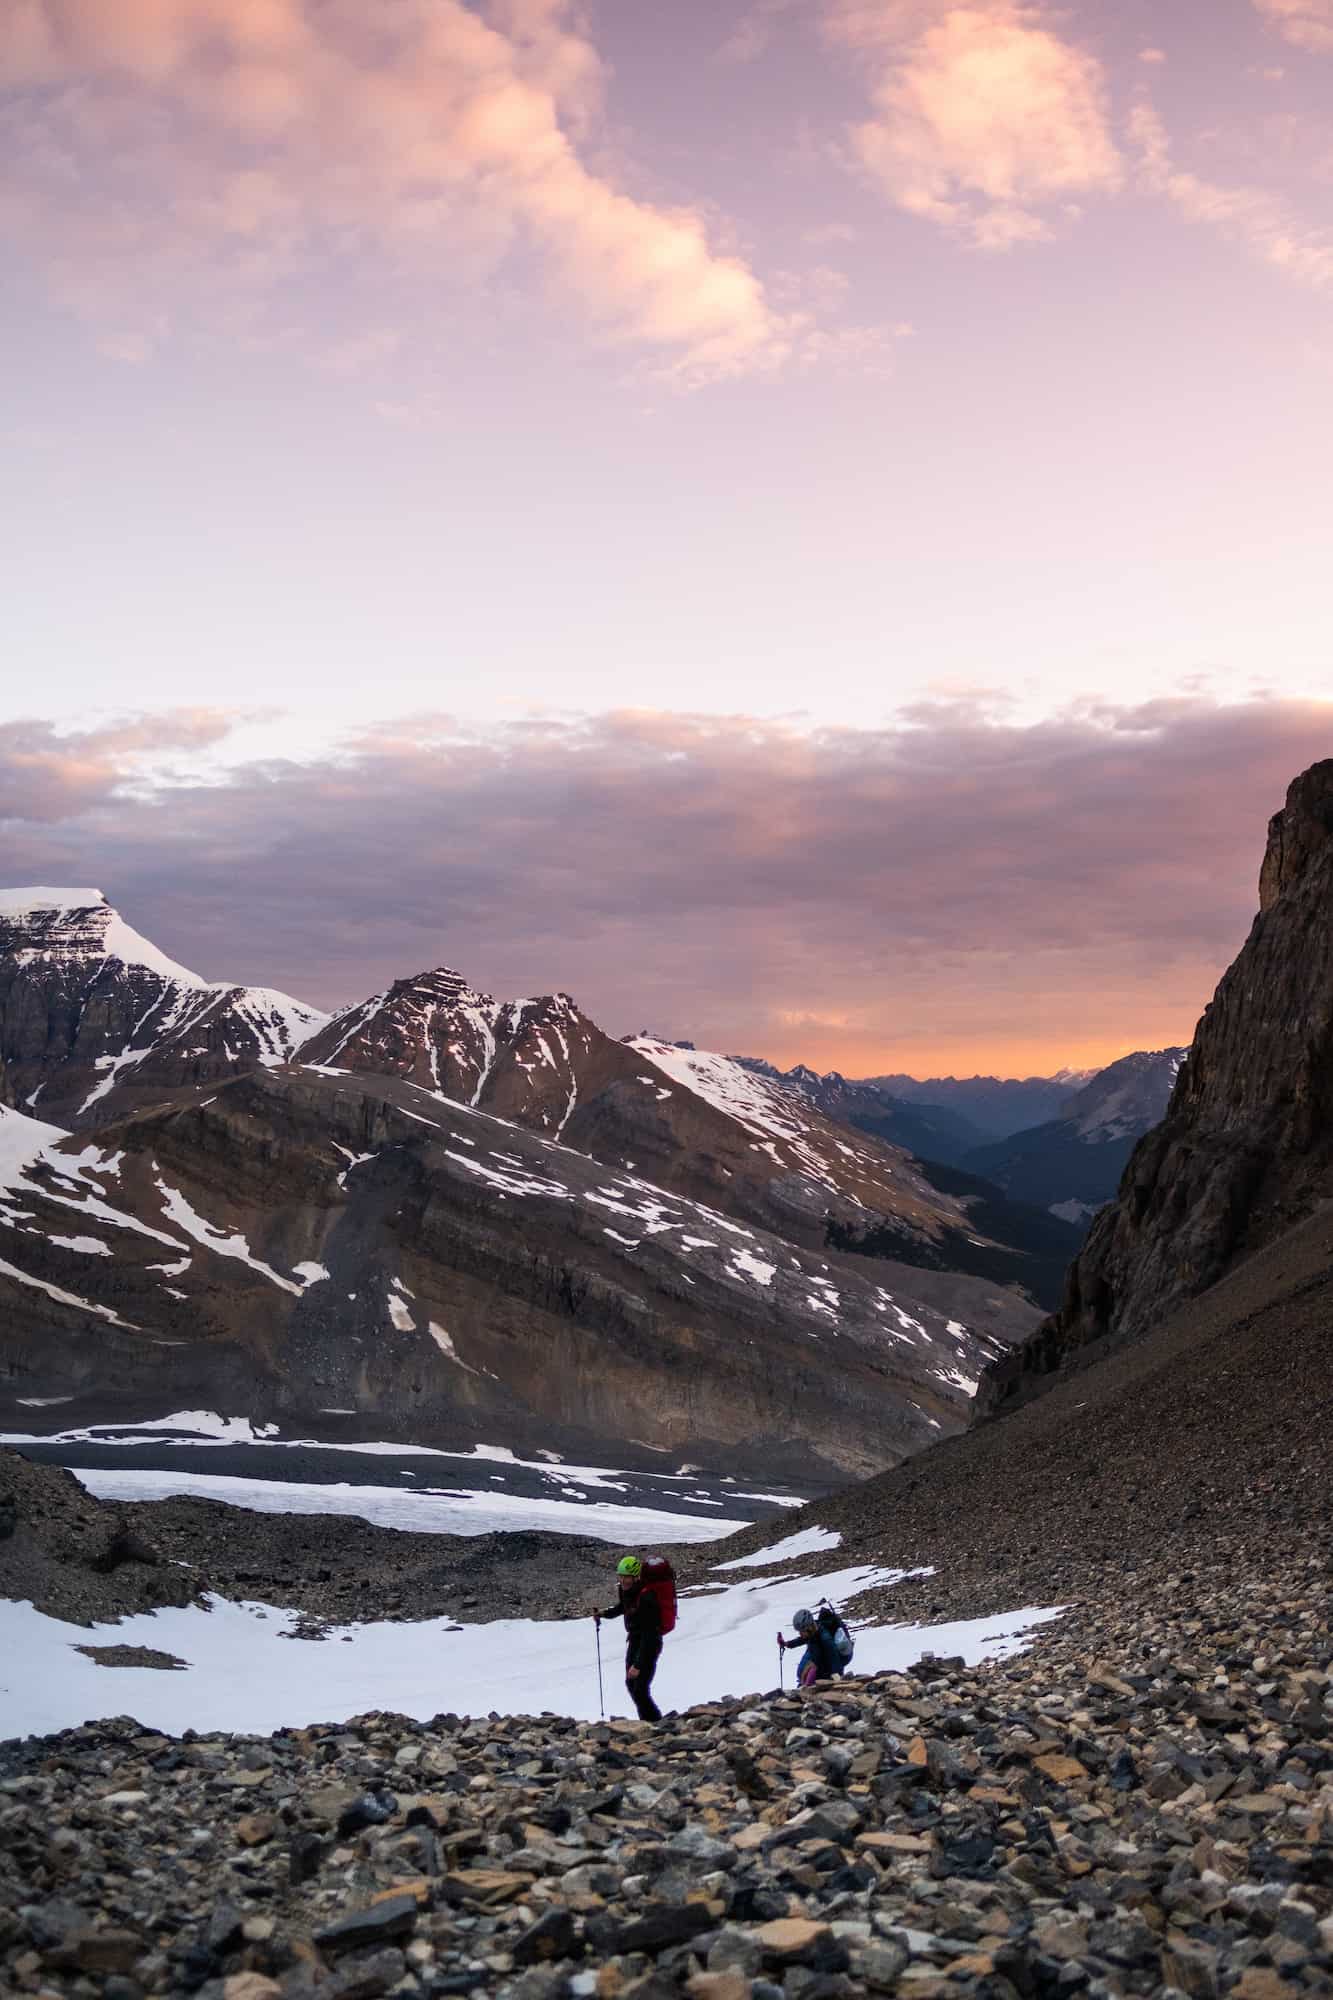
{"x": 296, "y": 1241}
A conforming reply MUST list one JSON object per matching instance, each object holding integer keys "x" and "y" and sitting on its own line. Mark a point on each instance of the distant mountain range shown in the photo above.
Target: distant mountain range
{"x": 457, "y": 1219}
{"x": 993, "y": 1106}
{"x": 1069, "y": 1164}
{"x": 1072, "y": 1164}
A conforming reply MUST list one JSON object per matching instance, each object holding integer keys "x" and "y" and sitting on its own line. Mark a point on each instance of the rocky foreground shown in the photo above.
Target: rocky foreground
{"x": 1143, "y": 1804}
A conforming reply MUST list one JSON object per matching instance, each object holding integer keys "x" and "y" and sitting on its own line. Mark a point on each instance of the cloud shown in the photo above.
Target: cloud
{"x": 194, "y": 160}
{"x": 951, "y": 891}
{"x": 1306, "y": 23}
{"x": 1263, "y": 222}
{"x": 986, "y": 118}
{"x": 51, "y": 776}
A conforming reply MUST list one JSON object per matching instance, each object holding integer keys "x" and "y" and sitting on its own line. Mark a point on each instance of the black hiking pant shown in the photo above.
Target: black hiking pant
{"x": 643, "y": 1654}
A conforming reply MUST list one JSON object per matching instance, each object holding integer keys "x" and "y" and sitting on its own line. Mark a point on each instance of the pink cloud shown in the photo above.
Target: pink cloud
{"x": 984, "y": 115}
{"x": 951, "y": 891}
{"x": 231, "y": 141}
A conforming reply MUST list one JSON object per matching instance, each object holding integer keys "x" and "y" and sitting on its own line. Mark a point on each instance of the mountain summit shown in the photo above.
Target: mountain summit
{"x": 95, "y": 1020}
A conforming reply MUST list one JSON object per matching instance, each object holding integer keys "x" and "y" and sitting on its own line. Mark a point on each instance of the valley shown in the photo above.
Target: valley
{"x": 1087, "y": 1744}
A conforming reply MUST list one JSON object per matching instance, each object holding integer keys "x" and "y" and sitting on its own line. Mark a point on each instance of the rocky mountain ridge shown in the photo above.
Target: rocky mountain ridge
{"x": 96, "y": 1023}
{"x": 692, "y": 1123}
{"x": 928, "y": 1131}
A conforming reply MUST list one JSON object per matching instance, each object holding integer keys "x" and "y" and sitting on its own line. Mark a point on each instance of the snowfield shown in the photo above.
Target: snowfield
{"x": 246, "y": 1670}
{"x": 430, "y": 1511}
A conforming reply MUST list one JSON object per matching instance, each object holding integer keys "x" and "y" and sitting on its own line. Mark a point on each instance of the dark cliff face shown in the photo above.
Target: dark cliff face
{"x": 1246, "y": 1148}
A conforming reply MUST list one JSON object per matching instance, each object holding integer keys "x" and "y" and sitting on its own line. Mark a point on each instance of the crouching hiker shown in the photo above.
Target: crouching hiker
{"x": 827, "y": 1643}
{"x": 646, "y": 1600}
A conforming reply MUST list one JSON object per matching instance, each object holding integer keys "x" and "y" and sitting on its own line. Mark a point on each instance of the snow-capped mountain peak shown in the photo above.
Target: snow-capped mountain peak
{"x": 438, "y": 1031}
{"x": 80, "y": 923}
{"x": 94, "y": 1019}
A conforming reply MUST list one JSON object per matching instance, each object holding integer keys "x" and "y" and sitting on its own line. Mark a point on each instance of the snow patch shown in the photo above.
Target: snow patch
{"x": 247, "y": 1671}
{"x": 805, "y": 1542}
{"x": 234, "y": 1245}
{"x": 745, "y": 1264}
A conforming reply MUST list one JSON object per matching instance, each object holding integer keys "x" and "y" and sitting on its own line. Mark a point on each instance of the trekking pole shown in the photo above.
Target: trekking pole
{"x": 601, "y": 1695}
{"x": 782, "y": 1665}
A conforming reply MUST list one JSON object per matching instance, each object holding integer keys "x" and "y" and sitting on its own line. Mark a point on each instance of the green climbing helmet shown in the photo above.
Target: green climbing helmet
{"x": 629, "y": 1566}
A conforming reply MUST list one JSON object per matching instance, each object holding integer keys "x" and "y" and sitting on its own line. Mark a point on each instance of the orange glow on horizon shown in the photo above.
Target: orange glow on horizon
{"x": 922, "y": 1057}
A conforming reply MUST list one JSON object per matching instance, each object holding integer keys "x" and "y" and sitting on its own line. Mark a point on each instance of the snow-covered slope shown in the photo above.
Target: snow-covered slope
{"x": 95, "y": 1020}
{"x": 927, "y": 1131}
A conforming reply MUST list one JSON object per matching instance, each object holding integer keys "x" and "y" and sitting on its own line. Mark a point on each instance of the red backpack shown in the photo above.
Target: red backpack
{"x": 659, "y": 1577}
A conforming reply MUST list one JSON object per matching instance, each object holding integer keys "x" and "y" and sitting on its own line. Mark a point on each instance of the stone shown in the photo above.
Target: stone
{"x": 662, "y": 1926}
{"x": 250, "y": 1986}
{"x": 108, "y": 1950}
{"x": 553, "y": 1935}
{"x": 1261, "y": 1982}
{"x": 305, "y": 1852}
{"x": 254, "y": 1829}
{"x": 417, "y": 1887}
{"x": 735, "y": 1950}
{"x": 367, "y": 1977}
{"x": 894, "y": 1843}
{"x": 1063, "y": 1770}
{"x": 485, "y": 1886}
{"x": 370, "y": 1809}
{"x": 692, "y": 1843}
{"x": 800, "y": 1941}
{"x": 879, "y": 1963}
{"x": 224, "y": 1930}
{"x": 380, "y": 1924}
{"x": 731, "y": 1985}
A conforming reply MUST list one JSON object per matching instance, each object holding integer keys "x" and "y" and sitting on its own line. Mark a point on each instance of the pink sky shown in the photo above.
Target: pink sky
{"x": 766, "y": 368}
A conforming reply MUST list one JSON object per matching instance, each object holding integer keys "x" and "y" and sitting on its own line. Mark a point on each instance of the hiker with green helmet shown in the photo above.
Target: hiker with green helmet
{"x": 641, "y": 1610}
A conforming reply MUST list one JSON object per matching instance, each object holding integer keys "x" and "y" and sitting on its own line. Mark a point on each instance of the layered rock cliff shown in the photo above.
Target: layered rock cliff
{"x": 295, "y": 1243}
{"x": 1245, "y": 1150}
